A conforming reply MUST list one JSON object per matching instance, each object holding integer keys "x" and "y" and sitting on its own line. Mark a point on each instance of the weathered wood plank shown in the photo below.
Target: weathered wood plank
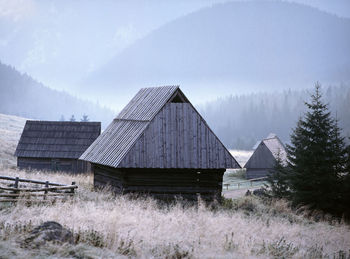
{"x": 169, "y": 189}
{"x": 177, "y": 138}
{"x": 28, "y": 181}
{"x": 175, "y": 181}
{"x": 168, "y": 142}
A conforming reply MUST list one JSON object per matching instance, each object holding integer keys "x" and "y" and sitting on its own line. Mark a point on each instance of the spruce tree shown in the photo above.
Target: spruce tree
{"x": 316, "y": 158}
{"x": 277, "y": 180}
{"x": 85, "y": 118}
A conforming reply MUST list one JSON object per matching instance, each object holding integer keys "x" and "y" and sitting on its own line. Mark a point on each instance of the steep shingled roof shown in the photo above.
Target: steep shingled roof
{"x": 117, "y": 140}
{"x": 147, "y": 103}
{"x": 276, "y": 147}
{"x": 56, "y": 139}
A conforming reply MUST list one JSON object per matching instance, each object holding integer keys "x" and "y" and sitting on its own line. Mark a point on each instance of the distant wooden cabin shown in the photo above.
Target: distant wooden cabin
{"x": 264, "y": 157}
{"x": 56, "y": 145}
{"x": 159, "y": 144}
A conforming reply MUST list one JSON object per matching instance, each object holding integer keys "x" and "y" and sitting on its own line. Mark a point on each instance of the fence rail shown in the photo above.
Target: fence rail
{"x": 250, "y": 181}
{"x": 14, "y": 192}
{"x": 29, "y": 181}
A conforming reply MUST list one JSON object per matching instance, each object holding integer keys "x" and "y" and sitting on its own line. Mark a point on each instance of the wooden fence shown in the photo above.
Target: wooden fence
{"x": 50, "y": 191}
{"x": 243, "y": 183}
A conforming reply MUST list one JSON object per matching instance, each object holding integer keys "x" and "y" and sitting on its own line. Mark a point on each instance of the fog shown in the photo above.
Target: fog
{"x": 103, "y": 52}
{"x": 60, "y": 43}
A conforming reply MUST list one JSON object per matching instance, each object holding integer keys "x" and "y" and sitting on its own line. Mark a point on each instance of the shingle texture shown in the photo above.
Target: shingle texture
{"x": 147, "y": 103}
{"x": 135, "y": 137}
{"x": 56, "y": 139}
{"x": 110, "y": 148}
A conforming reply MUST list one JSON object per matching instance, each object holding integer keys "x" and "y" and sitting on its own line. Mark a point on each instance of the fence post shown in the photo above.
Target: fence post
{"x": 72, "y": 190}
{"x": 16, "y": 182}
{"x": 16, "y": 186}
{"x": 47, "y": 186}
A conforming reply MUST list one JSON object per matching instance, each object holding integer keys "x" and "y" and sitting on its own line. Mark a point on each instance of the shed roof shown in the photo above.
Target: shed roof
{"x": 276, "y": 147}
{"x": 113, "y": 145}
{"x": 56, "y": 139}
{"x": 267, "y": 152}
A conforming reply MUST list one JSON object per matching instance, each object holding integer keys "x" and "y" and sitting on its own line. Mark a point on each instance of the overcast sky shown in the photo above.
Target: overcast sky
{"x": 58, "y": 42}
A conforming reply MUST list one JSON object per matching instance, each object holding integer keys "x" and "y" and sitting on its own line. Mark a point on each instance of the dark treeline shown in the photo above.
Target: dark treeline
{"x": 241, "y": 120}
{"x": 21, "y": 95}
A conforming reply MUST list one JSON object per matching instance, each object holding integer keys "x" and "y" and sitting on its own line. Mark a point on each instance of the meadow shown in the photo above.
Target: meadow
{"x": 105, "y": 225}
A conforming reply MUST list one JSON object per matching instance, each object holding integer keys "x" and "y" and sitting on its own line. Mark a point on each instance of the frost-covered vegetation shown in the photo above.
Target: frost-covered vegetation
{"x": 10, "y": 131}
{"x": 105, "y": 225}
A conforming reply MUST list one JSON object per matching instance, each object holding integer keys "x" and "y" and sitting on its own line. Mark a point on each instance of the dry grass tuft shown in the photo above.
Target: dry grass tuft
{"x": 10, "y": 131}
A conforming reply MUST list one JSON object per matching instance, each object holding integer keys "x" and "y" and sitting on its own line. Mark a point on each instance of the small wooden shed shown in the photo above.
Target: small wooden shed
{"x": 159, "y": 144}
{"x": 56, "y": 145}
{"x": 264, "y": 157}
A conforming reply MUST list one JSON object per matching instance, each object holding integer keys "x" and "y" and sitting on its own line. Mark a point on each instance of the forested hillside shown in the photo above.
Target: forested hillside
{"x": 234, "y": 46}
{"x": 241, "y": 120}
{"x": 21, "y": 95}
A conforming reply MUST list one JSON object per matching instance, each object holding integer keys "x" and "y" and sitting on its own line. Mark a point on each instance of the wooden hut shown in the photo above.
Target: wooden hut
{"x": 56, "y": 145}
{"x": 264, "y": 157}
{"x": 159, "y": 144}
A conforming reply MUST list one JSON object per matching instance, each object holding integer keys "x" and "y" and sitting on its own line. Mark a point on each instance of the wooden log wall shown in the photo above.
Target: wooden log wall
{"x": 53, "y": 164}
{"x": 161, "y": 182}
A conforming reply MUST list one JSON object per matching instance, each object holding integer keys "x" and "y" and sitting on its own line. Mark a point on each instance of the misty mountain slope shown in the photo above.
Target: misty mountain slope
{"x": 21, "y": 95}
{"x": 236, "y": 45}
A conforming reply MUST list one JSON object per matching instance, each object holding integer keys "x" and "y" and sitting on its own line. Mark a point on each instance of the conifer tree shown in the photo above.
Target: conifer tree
{"x": 85, "y": 118}
{"x": 316, "y": 158}
{"x": 277, "y": 179}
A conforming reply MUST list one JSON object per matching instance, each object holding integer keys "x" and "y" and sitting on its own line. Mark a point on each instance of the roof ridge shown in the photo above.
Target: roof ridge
{"x": 271, "y": 138}
{"x": 147, "y": 103}
{"x": 161, "y": 86}
{"x": 73, "y": 122}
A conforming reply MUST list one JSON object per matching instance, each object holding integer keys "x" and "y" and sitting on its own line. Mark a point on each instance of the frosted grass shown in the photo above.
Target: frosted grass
{"x": 10, "y": 131}
{"x": 140, "y": 228}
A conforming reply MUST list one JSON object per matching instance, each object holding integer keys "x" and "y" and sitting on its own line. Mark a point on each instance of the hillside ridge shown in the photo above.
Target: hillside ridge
{"x": 220, "y": 49}
{"x": 23, "y": 96}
